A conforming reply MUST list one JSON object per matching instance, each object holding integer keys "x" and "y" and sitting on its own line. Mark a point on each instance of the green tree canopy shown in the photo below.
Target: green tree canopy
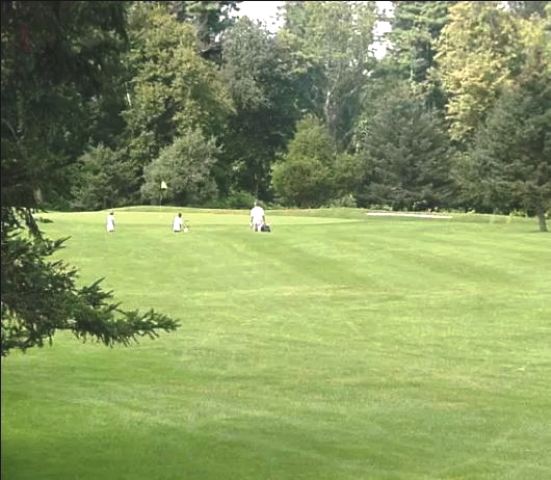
{"x": 303, "y": 177}
{"x": 415, "y": 28}
{"x": 259, "y": 75}
{"x": 336, "y": 38}
{"x": 172, "y": 87}
{"x": 477, "y": 56}
{"x": 211, "y": 20}
{"x": 186, "y": 166}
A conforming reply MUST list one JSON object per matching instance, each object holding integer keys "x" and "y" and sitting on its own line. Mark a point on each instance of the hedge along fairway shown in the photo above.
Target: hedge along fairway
{"x": 336, "y": 347}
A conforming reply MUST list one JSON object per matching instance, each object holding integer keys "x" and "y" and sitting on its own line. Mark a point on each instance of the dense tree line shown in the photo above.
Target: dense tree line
{"x": 216, "y": 106}
{"x": 101, "y": 101}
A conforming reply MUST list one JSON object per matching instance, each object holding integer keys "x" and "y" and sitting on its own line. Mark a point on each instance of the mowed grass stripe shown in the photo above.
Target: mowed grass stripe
{"x": 328, "y": 349}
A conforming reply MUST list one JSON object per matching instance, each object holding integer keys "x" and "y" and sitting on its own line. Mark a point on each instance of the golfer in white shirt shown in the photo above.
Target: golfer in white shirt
{"x": 257, "y": 217}
{"x": 111, "y": 222}
{"x": 178, "y": 223}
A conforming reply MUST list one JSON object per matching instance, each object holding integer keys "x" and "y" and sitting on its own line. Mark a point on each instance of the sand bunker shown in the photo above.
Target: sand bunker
{"x": 407, "y": 214}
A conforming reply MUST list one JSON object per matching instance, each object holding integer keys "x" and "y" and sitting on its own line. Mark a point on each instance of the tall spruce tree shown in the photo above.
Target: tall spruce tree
{"x": 415, "y": 28}
{"x": 406, "y": 166}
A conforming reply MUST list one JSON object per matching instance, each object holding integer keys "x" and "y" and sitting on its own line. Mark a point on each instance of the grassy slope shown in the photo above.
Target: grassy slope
{"x": 333, "y": 348}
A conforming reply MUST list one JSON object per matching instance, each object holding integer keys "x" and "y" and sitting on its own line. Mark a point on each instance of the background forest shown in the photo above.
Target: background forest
{"x": 109, "y": 99}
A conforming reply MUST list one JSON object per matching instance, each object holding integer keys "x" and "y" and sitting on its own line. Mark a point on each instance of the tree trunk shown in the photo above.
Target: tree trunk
{"x": 541, "y": 219}
{"x": 330, "y": 114}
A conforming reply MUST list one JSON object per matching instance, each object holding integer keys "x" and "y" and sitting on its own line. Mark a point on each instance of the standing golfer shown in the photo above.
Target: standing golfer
{"x": 258, "y": 217}
{"x": 111, "y": 222}
{"x": 178, "y": 223}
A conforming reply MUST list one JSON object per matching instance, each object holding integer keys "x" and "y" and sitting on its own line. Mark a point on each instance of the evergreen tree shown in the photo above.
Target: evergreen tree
{"x": 104, "y": 179}
{"x": 415, "y": 28}
{"x": 510, "y": 163}
{"x": 406, "y": 166}
{"x": 55, "y": 56}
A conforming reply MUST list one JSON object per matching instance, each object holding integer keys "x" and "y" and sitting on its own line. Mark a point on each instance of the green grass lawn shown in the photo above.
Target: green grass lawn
{"x": 339, "y": 346}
